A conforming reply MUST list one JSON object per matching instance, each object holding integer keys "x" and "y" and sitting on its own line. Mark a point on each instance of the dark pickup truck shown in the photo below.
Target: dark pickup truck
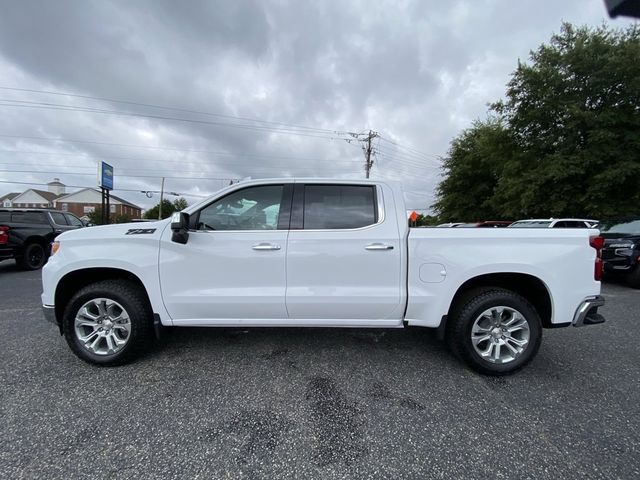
{"x": 621, "y": 251}
{"x": 26, "y": 234}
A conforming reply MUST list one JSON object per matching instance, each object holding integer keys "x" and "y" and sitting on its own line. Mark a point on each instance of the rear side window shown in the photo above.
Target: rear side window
{"x": 339, "y": 206}
{"x": 58, "y": 218}
{"x": 28, "y": 217}
{"x": 4, "y": 217}
{"x": 73, "y": 220}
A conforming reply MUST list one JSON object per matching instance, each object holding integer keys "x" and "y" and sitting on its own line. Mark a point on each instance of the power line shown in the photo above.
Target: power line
{"x": 63, "y": 107}
{"x": 164, "y": 107}
{"x": 134, "y": 176}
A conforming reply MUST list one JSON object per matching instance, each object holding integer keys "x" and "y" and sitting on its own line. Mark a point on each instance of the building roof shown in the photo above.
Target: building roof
{"x": 9, "y": 196}
{"x": 64, "y": 197}
{"x": 48, "y": 196}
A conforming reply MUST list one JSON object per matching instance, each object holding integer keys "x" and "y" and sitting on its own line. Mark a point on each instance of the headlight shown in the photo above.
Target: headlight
{"x": 624, "y": 252}
{"x": 55, "y": 246}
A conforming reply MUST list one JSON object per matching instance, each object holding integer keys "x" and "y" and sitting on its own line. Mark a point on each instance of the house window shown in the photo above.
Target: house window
{"x": 112, "y": 208}
{"x": 65, "y": 207}
{"x": 88, "y": 209}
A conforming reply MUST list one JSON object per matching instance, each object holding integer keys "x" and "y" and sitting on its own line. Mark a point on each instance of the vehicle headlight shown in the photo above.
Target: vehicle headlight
{"x": 55, "y": 246}
{"x": 624, "y": 252}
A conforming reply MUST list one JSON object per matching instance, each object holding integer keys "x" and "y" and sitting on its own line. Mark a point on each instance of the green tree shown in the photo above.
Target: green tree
{"x": 95, "y": 217}
{"x": 180, "y": 204}
{"x": 167, "y": 209}
{"x": 571, "y": 118}
{"x": 471, "y": 172}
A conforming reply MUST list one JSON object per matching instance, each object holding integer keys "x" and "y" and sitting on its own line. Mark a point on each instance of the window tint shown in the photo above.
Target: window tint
{"x": 4, "y": 216}
{"x": 58, "y": 218}
{"x": 28, "y": 217}
{"x": 253, "y": 208}
{"x": 73, "y": 220}
{"x": 338, "y": 206}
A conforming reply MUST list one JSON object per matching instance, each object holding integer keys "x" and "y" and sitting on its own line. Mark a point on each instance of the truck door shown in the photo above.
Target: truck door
{"x": 233, "y": 264}
{"x": 343, "y": 256}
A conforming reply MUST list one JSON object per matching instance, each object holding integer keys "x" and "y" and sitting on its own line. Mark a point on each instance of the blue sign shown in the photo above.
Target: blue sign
{"x": 106, "y": 176}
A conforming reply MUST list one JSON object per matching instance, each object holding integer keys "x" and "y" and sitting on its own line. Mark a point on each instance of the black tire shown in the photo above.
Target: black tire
{"x": 633, "y": 278}
{"x": 33, "y": 257}
{"x": 470, "y": 307}
{"x": 133, "y": 299}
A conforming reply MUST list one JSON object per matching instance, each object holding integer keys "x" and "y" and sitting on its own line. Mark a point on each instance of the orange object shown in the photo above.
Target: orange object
{"x": 414, "y": 216}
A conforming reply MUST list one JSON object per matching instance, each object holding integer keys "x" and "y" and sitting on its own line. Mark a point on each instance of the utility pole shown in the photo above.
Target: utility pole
{"x": 368, "y": 150}
{"x": 161, "y": 198}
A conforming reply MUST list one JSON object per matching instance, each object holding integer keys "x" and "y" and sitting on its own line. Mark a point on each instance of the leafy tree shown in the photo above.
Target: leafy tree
{"x": 571, "y": 147}
{"x": 180, "y": 204}
{"x": 95, "y": 217}
{"x": 471, "y": 173}
{"x": 168, "y": 208}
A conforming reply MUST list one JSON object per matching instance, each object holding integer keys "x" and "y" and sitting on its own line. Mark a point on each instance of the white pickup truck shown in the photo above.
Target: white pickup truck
{"x": 320, "y": 253}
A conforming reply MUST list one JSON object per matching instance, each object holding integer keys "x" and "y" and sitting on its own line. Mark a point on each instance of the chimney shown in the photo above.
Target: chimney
{"x": 56, "y": 187}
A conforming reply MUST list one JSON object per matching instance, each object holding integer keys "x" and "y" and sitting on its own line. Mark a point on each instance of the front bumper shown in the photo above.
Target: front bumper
{"x": 587, "y": 312}
{"x": 49, "y": 312}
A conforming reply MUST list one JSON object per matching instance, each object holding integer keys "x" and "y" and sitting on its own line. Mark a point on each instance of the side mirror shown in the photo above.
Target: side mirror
{"x": 180, "y": 227}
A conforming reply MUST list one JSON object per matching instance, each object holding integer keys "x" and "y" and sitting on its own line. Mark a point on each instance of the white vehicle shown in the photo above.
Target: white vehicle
{"x": 555, "y": 223}
{"x": 319, "y": 253}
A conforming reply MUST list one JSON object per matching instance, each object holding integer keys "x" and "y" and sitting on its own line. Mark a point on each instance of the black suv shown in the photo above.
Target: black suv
{"x": 621, "y": 252}
{"x": 26, "y": 234}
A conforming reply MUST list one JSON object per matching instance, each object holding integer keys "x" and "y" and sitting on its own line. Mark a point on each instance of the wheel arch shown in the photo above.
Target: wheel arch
{"x": 532, "y": 288}
{"x": 73, "y": 281}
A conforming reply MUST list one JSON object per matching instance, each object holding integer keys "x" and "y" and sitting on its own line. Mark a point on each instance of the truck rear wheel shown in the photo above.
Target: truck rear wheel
{"x": 108, "y": 322}
{"x": 495, "y": 331}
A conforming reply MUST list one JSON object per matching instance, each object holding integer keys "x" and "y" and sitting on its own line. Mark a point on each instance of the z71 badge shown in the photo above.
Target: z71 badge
{"x": 140, "y": 231}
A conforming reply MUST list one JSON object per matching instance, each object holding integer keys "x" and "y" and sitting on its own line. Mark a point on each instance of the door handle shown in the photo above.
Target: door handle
{"x": 378, "y": 246}
{"x": 266, "y": 246}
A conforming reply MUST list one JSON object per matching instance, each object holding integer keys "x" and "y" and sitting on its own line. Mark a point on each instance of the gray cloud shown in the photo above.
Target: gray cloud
{"x": 417, "y": 71}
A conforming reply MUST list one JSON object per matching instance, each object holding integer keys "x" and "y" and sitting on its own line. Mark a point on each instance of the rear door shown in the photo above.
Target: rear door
{"x": 343, "y": 255}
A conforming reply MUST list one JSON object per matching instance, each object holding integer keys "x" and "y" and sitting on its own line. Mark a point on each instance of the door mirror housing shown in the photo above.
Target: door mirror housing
{"x": 180, "y": 227}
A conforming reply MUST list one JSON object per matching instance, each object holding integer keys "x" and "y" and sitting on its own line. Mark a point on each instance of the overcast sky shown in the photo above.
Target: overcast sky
{"x": 416, "y": 72}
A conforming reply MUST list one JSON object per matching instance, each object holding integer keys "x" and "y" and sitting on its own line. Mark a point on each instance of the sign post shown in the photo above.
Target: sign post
{"x": 105, "y": 181}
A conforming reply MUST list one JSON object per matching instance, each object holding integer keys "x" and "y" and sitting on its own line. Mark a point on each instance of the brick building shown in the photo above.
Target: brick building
{"x": 88, "y": 200}
{"x": 80, "y": 203}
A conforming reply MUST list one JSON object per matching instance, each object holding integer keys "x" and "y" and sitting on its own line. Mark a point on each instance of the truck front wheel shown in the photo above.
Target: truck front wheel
{"x": 495, "y": 331}
{"x": 108, "y": 322}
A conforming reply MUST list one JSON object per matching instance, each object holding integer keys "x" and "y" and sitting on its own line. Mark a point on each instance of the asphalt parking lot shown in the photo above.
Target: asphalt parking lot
{"x": 316, "y": 403}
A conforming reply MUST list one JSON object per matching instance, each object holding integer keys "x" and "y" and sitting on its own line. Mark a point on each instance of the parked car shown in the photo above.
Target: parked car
{"x": 26, "y": 233}
{"x": 319, "y": 253}
{"x": 621, "y": 252}
{"x": 449, "y": 225}
{"x": 555, "y": 223}
{"x": 487, "y": 224}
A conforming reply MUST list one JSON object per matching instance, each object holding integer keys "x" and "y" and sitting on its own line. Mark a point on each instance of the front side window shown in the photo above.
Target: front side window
{"x": 253, "y": 208}
{"x": 339, "y": 206}
{"x": 73, "y": 220}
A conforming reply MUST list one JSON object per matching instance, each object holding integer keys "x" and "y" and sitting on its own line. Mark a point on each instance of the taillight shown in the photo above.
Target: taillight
{"x": 4, "y": 235}
{"x": 597, "y": 243}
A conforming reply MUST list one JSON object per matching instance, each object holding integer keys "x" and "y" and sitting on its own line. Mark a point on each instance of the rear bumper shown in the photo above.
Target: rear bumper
{"x": 587, "y": 312}
{"x": 6, "y": 253}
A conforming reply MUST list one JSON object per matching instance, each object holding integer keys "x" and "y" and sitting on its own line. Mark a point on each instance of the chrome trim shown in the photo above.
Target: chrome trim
{"x": 266, "y": 246}
{"x": 378, "y": 246}
{"x": 49, "y": 312}
{"x": 585, "y": 307}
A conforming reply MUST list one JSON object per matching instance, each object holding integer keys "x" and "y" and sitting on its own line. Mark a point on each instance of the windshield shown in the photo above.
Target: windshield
{"x": 626, "y": 228}
{"x": 540, "y": 224}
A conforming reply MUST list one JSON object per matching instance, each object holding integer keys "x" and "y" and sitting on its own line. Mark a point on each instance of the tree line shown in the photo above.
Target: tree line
{"x": 565, "y": 140}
